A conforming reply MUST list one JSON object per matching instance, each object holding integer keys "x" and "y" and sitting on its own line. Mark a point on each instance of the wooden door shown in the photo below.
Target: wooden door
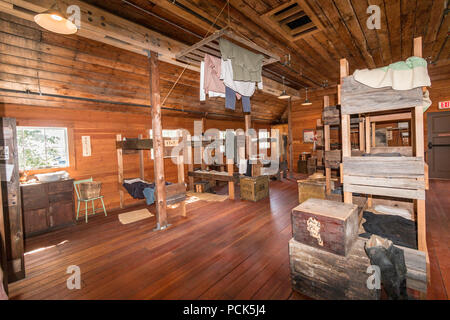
{"x": 439, "y": 144}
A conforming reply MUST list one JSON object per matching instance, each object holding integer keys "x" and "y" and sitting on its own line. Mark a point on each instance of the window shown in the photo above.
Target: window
{"x": 42, "y": 148}
{"x": 264, "y": 135}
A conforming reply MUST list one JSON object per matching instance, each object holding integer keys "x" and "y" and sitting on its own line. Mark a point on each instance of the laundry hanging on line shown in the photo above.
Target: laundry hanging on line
{"x": 210, "y": 82}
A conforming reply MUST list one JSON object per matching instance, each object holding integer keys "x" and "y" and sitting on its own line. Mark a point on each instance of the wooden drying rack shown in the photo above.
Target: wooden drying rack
{"x": 210, "y": 45}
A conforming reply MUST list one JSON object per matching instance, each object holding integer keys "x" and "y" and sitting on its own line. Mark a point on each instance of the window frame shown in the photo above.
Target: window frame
{"x": 67, "y": 151}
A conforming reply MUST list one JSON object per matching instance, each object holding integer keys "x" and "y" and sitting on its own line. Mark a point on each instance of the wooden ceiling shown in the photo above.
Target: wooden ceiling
{"x": 314, "y": 57}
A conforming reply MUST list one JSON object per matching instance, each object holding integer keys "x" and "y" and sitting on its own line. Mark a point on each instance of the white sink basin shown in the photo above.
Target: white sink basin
{"x": 50, "y": 177}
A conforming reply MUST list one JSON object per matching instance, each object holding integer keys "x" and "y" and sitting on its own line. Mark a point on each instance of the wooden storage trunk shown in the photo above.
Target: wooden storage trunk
{"x": 323, "y": 275}
{"x": 254, "y": 188}
{"x": 311, "y": 189}
{"x": 327, "y": 225}
{"x": 311, "y": 165}
{"x": 302, "y": 166}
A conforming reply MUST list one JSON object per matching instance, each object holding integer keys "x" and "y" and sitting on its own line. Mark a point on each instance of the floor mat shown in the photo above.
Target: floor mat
{"x": 134, "y": 216}
{"x": 210, "y": 197}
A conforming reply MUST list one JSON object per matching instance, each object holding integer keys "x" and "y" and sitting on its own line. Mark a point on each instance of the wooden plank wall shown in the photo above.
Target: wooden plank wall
{"x": 33, "y": 59}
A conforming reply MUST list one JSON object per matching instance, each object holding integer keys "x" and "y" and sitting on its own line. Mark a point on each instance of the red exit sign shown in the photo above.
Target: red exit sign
{"x": 444, "y": 105}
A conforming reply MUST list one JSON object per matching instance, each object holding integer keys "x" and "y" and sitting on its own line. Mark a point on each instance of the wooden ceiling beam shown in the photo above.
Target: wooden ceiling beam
{"x": 101, "y": 26}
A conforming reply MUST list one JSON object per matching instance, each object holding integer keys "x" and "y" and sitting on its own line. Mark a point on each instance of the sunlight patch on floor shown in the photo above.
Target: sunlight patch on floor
{"x": 45, "y": 248}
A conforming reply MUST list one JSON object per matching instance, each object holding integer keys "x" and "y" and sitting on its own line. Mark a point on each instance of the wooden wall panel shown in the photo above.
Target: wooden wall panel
{"x": 35, "y": 60}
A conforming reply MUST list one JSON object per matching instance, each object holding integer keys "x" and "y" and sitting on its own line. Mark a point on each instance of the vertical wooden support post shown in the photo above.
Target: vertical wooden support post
{"x": 161, "y": 206}
{"x": 248, "y": 126}
{"x": 362, "y": 139}
{"x": 203, "y": 165}
{"x": 275, "y": 150}
{"x": 230, "y": 168}
{"x": 346, "y": 143}
{"x": 190, "y": 159}
{"x": 120, "y": 170}
{"x": 374, "y": 129}
{"x": 141, "y": 162}
{"x": 181, "y": 179}
{"x": 420, "y": 152}
{"x": 368, "y": 135}
{"x": 326, "y": 134}
{"x": 368, "y": 148}
{"x": 290, "y": 140}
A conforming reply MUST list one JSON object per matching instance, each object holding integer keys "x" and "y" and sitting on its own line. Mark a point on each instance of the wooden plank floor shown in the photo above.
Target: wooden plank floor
{"x": 223, "y": 250}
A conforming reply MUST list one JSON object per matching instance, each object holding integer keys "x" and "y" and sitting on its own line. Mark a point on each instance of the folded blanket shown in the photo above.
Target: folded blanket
{"x": 402, "y": 75}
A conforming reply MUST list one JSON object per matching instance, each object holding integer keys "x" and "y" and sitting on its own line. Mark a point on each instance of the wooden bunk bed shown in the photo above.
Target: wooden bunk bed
{"x": 228, "y": 176}
{"x": 174, "y": 193}
{"x": 397, "y": 176}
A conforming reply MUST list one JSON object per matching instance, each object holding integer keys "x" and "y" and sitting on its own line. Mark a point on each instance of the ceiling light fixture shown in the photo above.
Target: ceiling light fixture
{"x": 283, "y": 94}
{"x": 307, "y": 102}
{"x": 54, "y": 20}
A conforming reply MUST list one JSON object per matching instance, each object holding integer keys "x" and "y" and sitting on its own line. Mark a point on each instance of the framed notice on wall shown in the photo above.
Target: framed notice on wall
{"x": 308, "y": 136}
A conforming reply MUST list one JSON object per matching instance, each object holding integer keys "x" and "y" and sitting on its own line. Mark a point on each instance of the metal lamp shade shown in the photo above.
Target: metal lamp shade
{"x": 53, "y": 20}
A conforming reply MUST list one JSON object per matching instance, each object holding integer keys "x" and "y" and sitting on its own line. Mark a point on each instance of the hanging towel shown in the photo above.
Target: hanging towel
{"x": 247, "y": 65}
{"x": 402, "y": 75}
{"x": 244, "y": 88}
{"x": 212, "y": 75}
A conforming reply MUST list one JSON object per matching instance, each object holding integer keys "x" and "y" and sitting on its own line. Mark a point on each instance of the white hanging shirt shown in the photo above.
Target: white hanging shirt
{"x": 244, "y": 88}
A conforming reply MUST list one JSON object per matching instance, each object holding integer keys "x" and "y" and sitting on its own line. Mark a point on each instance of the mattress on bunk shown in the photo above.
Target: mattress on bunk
{"x": 400, "y": 231}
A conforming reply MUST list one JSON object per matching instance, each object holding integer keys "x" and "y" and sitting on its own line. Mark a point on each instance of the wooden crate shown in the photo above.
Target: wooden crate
{"x": 254, "y": 188}
{"x": 302, "y": 166}
{"x": 311, "y": 189}
{"x": 202, "y": 186}
{"x": 327, "y": 225}
{"x": 323, "y": 275}
{"x": 331, "y": 115}
{"x": 333, "y": 159}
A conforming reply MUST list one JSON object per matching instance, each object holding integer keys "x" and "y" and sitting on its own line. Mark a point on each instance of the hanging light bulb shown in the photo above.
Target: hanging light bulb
{"x": 284, "y": 94}
{"x": 54, "y": 20}
{"x": 307, "y": 102}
